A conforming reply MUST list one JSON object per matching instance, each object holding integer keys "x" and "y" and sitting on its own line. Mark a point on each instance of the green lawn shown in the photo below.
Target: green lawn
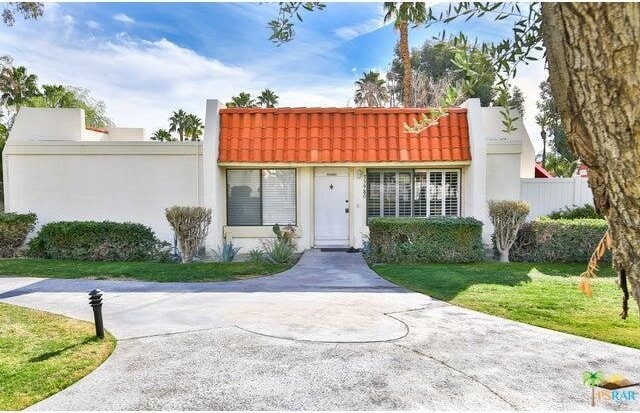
{"x": 145, "y": 271}
{"x": 42, "y": 353}
{"x": 544, "y": 295}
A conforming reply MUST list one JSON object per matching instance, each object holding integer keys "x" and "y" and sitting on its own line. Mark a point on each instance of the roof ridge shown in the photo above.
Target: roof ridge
{"x": 303, "y": 109}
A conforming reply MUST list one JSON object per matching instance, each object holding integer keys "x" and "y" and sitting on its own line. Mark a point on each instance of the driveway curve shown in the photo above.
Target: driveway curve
{"x": 327, "y": 334}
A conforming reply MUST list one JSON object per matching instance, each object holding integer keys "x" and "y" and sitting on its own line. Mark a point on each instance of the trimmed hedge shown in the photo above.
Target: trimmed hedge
{"x": 96, "y": 241}
{"x": 575, "y": 212}
{"x": 426, "y": 240}
{"x": 559, "y": 240}
{"x": 14, "y": 229}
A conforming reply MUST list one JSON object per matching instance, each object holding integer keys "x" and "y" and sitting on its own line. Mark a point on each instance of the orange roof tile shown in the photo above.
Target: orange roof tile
{"x": 339, "y": 135}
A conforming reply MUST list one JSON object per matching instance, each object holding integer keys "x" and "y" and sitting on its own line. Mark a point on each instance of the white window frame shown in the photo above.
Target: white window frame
{"x": 260, "y": 170}
{"x": 413, "y": 174}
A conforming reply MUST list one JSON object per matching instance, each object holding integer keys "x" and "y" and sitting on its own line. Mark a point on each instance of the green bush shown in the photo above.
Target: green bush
{"x": 425, "y": 240}
{"x": 575, "y": 212}
{"x": 14, "y": 229}
{"x": 559, "y": 240}
{"x": 97, "y": 241}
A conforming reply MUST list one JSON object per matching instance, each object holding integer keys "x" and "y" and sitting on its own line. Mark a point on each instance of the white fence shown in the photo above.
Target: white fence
{"x": 550, "y": 194}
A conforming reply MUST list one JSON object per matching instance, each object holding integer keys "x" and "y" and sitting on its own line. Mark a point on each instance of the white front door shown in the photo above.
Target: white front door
{"x": 331, "y": 206}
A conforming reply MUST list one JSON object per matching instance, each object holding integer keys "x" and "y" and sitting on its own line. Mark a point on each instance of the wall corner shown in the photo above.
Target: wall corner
{"x": 213, "y": 179}
{"x": 475, "y": 185}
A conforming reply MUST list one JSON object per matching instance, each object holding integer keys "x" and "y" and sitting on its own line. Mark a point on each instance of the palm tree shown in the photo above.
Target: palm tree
{"x": 402, "y": 14}
{"x": 178, "y": 123}
{"x": 542, "y": 119}
{"x": 592, "y": 378}
{"x": 162, "y": 135}
{"x": 268, "y": 99}
{"x": 193, "y": 128}
{"x": 243, "y": 100}
{"x": 371, "y": 90}
{"x": 17, "y": 86}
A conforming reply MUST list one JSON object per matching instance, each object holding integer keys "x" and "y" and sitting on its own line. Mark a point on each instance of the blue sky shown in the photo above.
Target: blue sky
{"x": 146, "y": 59}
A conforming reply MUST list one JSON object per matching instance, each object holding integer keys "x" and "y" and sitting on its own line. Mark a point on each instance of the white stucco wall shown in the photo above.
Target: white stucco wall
{"x": 510, "y": 157}
{"x": 134, "y": 186}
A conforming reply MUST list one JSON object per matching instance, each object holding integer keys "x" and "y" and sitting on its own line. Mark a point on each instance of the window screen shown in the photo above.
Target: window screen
{"x": 243, "y": 197}
{"x": 278, "y": 196}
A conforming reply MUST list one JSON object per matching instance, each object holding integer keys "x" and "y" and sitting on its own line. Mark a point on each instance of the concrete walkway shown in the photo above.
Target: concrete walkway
{"x": 327, "y": 334}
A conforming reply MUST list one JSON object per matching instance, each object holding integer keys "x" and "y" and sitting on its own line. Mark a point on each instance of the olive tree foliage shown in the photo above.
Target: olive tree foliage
{"x": 507, "y": 217}
{"x": 191, "y": 225}
{"x": 28, "y": 10}
{"x": 282, "y": 27}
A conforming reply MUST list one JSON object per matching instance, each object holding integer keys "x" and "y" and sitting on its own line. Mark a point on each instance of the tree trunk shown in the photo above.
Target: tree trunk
{"x": 504, "y": 256}
{"x": 403, "y": 27}
{"x": 593, "y": 52}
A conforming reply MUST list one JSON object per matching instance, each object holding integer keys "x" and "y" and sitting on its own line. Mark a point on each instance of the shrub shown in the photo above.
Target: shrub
{"x": 426, "y": 240}
{"x": 559, "y": 240}
{"x": 14, "y": 229}
{"x": 506, "y": 217}
{"x": 191, "y": 225}
{"x": 97, "y": 241}
{"x": 575, "y": 212}
{"x": 278, "y": 251}
{"x": 227, "y": 253}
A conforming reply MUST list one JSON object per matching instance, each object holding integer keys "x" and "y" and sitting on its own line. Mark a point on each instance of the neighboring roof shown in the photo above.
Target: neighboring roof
{"x": 541, "y": 172}
{"x": 91, "y": 128}
{"x": 582, "y": 170}
{"x": 339, "y": 135}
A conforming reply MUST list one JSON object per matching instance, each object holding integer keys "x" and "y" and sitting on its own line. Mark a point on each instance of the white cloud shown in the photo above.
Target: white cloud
{"x": 353, "y": 31}
{"x": 92, "y": 24}
{"x": 142, "y": 81}
{"x": 121, "y": 17}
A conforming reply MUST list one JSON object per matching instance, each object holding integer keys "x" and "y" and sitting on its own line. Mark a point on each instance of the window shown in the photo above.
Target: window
{"x": 418, "y": 193}
{"x": 261, "y": 197}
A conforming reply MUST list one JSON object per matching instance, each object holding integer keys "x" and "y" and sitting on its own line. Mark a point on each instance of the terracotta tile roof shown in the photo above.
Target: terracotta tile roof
{"x": 540, "y": 172}
{"x": 339, "y": 135}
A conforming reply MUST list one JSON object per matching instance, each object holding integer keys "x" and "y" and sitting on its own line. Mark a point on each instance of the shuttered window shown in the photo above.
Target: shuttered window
{"x": 418, "y": 193}
{"x": 261, "y": 197}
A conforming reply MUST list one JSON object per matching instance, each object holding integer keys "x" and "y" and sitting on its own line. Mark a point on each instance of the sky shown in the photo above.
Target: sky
{"x": 145, "y": 60}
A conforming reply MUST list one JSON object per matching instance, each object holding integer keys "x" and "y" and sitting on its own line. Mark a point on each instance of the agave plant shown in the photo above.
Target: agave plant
{"x": 227, "y": 252}
{"x": 278, "y": 251}
{"x": 256, "y": 255}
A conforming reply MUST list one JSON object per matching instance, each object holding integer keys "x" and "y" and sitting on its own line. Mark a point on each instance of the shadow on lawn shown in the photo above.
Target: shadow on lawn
{"x": 446, "y": 281}
{"x": 50, "y": 354}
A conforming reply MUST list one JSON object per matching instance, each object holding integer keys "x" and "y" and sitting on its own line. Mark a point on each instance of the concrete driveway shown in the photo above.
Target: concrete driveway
{"x": 328, "y": 334}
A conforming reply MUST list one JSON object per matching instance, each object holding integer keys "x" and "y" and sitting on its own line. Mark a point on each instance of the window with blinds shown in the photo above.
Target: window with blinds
{"x": 417, "y": 193}
{"x": 261, "y": 197}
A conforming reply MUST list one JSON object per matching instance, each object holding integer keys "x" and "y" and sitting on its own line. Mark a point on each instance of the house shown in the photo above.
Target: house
{"x": 323, "y": 170}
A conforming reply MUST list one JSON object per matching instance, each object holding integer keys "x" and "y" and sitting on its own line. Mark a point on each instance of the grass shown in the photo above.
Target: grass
{"x": 144, "y": 271}
{"x": 42, "y": 353}
{"x": 544, "y": 295}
